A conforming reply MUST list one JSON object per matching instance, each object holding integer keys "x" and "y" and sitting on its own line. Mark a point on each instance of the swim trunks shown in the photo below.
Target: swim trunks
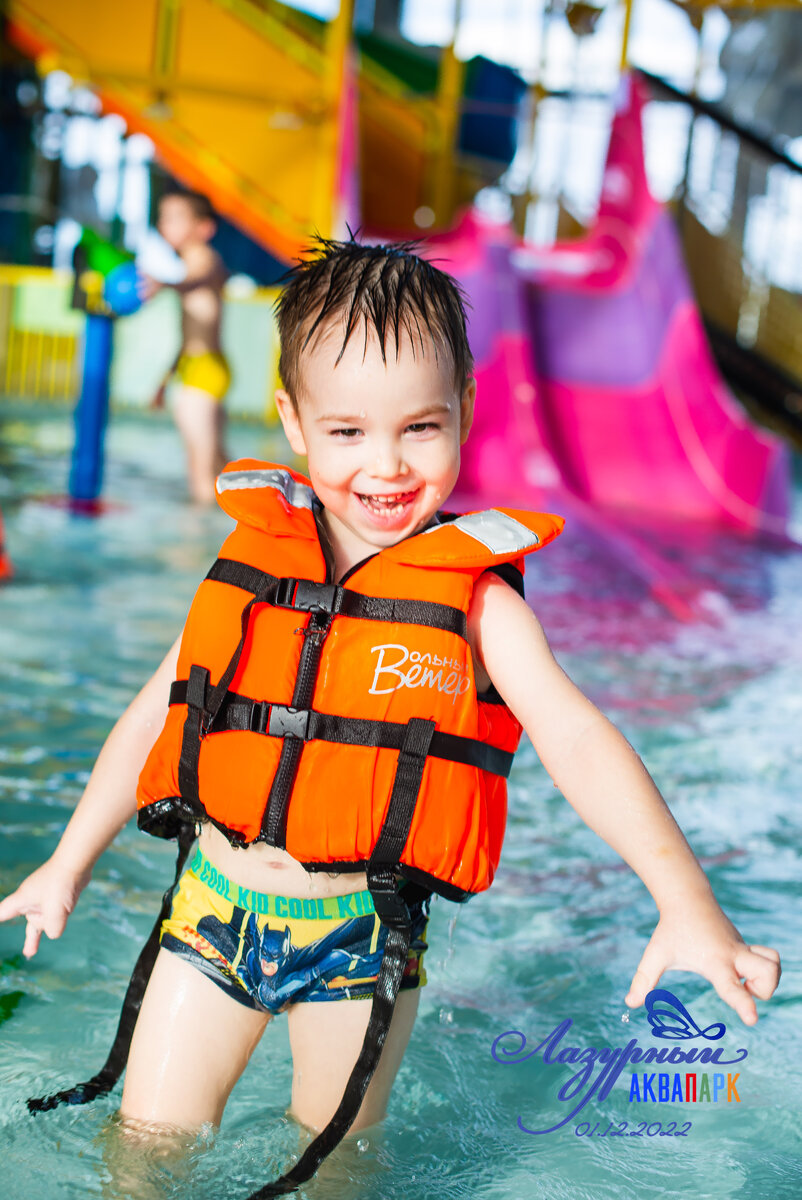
{"x": 207, "y": 372}
{"x": 269, "y": 951}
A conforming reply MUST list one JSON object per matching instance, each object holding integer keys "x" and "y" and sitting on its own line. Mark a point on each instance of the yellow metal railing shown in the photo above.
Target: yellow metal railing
{"x": 39, "y": 334}
{"x": 40, "y": 365}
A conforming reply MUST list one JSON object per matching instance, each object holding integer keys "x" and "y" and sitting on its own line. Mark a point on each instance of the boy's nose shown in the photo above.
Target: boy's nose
{"x": 389, "y": 462}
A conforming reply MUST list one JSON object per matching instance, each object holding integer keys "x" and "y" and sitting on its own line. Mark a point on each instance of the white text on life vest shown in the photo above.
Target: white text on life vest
{"x": 447, "y": 675}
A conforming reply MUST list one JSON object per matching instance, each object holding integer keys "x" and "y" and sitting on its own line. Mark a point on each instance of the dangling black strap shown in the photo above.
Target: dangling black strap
{"x": 394, "y": 959}
{"x": 393, "y": 912}
{"x": 107, "y": 1076}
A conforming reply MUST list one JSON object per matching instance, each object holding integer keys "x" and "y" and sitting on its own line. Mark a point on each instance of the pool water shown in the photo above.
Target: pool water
{"x": 715, "y": 711}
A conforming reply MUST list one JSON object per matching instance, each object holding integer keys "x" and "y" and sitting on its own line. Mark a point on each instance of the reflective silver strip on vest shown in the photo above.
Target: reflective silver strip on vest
{"x": 299, "y": 495}
{"x": 501, "y": 534}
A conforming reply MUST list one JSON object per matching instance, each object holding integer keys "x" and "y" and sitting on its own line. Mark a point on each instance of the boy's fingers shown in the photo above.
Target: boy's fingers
{"x": 54, "y": 923}
{"x": 766, "y": 952}
{"x": 733, "y": 992}
{"x": 10, "y": 907}
{"x": 646, "y": 977}
{"x": 33, "y": 935}
{"x": 760, "y": 970}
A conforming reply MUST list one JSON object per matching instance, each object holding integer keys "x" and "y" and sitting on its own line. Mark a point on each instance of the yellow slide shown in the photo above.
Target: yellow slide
{"x": 242, "y": 104}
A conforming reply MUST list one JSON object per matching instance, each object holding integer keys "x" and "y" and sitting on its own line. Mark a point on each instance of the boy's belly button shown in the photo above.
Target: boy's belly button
{"x": 264, "y": 869}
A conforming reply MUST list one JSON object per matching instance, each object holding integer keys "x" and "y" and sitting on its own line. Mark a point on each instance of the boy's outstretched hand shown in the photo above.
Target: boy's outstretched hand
{"x": 46, "y": 899}
{"x": 703, "y": 940}
{"x": 147, "y": 287}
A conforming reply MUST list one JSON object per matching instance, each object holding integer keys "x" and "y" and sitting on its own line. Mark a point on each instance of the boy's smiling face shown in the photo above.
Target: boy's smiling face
{"x": 382, "y": 439}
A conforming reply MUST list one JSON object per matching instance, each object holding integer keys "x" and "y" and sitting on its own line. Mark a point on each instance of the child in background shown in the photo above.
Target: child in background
{"x": 186, "y": 222}
{"x": 378, "y": 394}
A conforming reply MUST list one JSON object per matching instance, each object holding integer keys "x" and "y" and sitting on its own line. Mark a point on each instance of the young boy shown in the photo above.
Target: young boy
{"x": 378, "y": 394}
{"x": 186, "y": 222}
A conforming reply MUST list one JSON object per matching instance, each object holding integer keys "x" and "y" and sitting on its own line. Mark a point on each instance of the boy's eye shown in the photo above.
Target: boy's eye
{"x": 345, "y": 433}
{"x": 422, "y": 426}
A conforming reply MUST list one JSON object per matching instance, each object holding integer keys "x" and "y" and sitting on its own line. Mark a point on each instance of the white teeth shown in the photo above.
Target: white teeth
{"x": 384, "y": 505}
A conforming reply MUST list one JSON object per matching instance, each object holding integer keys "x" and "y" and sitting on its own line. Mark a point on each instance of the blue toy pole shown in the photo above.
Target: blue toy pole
{"x": 86, "y": 475}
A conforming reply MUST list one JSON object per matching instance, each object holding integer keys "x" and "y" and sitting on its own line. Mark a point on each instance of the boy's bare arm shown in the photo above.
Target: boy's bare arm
{"x": 47, "y": 897}
{"x": 602, "y": 777}
{"x": 203, "y": 267}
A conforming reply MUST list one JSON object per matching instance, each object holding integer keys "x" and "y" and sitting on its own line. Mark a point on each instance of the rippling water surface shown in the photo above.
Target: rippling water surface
{"x": 714, "y": 709}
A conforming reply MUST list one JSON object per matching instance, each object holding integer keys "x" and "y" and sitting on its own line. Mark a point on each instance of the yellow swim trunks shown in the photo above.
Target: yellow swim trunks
{"x": 207, "y": 372}
{"x": 268, "y": 951}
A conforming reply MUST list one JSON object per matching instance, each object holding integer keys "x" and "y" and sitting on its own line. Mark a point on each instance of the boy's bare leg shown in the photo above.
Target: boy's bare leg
{"x": 190, "y": 1046}
{"x": 200, "y": 419}
{"x": 325, "y": 1039}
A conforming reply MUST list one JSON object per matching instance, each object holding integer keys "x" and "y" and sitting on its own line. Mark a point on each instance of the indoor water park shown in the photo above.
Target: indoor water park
{"x": 384, "y": 383}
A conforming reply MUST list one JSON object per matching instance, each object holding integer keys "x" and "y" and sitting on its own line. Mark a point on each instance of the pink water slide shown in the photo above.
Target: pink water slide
{"x": 596, "y": 385}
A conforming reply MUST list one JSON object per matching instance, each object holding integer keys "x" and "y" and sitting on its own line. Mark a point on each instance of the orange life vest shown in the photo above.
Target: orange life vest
{"x": 340, "y": 722}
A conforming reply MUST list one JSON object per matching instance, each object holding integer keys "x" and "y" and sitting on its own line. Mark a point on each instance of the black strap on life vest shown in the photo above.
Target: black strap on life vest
{"x": 305, "y": 595}
{"x": 274, "y": 817}
{"x": 278, "y": 720}
{"x": 394, "y": 913}
{"x": 264, "y": 596}
{"x": 196, "y": 692}
{"x": 203, "y": 703}
{"x": 110, "y": 1072}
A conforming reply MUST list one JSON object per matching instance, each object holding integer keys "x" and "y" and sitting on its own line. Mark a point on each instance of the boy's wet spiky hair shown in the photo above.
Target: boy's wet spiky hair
{"x": 387, "y": 288}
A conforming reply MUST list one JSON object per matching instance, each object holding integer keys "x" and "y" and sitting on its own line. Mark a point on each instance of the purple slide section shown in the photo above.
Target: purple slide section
{"x": 622, "y": 331}
{"x": 595, "y": 383}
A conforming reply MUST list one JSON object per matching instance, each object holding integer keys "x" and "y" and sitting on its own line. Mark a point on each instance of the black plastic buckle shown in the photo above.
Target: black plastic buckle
{"x": 288, "y": 722}
{"x": 391, "y": 909}
{"x": 285, "y": 592}
{"x": 304, "y": 595}
{"x": 315, "y": 597}
{"x": 259, "y": 716}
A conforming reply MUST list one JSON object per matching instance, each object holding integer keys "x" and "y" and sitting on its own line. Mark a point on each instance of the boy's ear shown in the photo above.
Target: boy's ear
{"x": 207, "y": 229}
{"x": 466, "y": 410}
{"x": 289, "y": 419}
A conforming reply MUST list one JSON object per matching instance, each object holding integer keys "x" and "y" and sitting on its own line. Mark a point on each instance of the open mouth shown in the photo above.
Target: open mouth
{"x": 388, "y": 506}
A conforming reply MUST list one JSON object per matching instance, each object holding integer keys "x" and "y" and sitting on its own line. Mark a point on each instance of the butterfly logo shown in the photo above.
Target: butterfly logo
{"x": 670, "y": 1019}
